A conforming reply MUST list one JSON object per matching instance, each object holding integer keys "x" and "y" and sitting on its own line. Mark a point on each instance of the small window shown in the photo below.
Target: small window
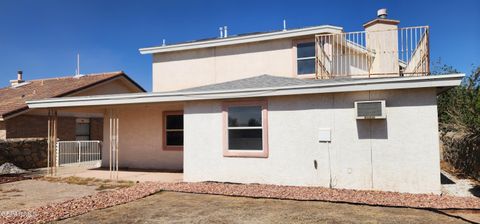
{"x": 245, "y": 129}
{"x": 82, "y": 129}
{"x": 305, "y": 58}
{"x": 173, "y": 131}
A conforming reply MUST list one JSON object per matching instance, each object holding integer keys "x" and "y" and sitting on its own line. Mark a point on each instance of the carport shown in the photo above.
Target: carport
{"x": 139, "y": 144}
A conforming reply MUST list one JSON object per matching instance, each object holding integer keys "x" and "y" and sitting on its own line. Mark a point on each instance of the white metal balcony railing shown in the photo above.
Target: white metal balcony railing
{"x": 79, "y": 153}
{"x": 396, "y": 52}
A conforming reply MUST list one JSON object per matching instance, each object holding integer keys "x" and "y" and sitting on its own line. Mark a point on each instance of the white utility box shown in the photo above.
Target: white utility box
{"x": 324, "y": 135}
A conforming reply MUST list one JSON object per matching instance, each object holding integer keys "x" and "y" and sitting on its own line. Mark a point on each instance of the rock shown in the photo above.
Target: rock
{"x": 9, "y": 168}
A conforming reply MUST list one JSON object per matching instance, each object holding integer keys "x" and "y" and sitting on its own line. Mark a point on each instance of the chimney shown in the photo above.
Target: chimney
{"x": 382, "y": 38}
{"x": 18, "y": 80}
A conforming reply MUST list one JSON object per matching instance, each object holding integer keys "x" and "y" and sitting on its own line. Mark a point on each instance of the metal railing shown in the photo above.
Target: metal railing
{"x": 79, "y": 153}
{"x": 396, "y": 52}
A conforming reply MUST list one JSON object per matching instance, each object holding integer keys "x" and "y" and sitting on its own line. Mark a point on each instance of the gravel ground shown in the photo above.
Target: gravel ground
{"x": 107, "y": 199}
{"x": 327, "y": 194}
{"x": 175, "y": 207}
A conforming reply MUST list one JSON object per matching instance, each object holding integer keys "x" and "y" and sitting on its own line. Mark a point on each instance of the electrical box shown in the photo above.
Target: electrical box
{"x": 373, "y": 109}
{"x": 324, "y": 135}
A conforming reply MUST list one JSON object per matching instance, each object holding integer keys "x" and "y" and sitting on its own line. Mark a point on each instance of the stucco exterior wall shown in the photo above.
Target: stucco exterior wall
{"x": 397, "y": 154}
{"x": 185, "y": 69}
{"x": 140, "y": 138}
{"x": 115, "y": 86}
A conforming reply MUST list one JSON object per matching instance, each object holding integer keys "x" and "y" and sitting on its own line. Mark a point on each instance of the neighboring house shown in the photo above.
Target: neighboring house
{"x": 308, "y": 107}
{"x": 18, "y": 121}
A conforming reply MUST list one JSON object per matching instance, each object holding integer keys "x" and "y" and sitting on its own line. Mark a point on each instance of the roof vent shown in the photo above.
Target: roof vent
{"x": 77, "y": 71}
{"x": 18, "y": 80}
{"x": 223, "y": 31}
{"x": 382, "y": 13}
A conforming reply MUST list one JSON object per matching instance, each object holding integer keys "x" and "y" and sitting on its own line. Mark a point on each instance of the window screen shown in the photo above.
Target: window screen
{"x": 245, "y": 128}
{"x": 82, "y": 131}
{"x": 306, "y": 58}
{"x": 174, "y": 130}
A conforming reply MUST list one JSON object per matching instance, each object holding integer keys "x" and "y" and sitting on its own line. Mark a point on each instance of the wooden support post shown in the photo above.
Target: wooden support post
{"x": 52, "y": 142}
{"x": 114, "y": 143}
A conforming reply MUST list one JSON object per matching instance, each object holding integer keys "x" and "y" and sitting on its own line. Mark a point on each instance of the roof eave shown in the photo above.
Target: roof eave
{"x": 383, "y": 84}
{"x": 242, "y": 39}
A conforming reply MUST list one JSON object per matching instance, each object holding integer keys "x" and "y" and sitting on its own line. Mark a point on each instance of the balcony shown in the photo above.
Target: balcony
{"x": 373, "y": 53}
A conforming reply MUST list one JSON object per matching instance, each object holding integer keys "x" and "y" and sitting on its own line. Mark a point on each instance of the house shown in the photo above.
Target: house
{"x": 313, "y": 106}
{"x": 18, "y": 121}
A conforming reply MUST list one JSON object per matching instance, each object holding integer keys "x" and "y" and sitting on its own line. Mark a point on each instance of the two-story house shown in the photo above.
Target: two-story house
{"x": 313, "y": 106}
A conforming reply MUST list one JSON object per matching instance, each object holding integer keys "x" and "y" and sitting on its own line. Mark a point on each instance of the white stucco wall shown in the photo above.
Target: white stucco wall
{"x": 397, "y": 154}
{"x": 140, "y": 138}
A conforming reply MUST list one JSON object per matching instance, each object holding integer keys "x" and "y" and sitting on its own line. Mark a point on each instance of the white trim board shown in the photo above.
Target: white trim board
{"x": 242, "y": 39}
{"x": 347, "y": 86}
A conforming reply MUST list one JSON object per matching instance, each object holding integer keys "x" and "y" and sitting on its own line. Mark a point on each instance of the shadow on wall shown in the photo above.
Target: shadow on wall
{"x": 372, "y": 129}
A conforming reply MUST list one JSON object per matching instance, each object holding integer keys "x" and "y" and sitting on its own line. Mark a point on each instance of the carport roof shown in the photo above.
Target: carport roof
{"x": 259, "y": 86}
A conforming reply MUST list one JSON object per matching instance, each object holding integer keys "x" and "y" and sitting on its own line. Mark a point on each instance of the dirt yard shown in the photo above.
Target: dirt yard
{"x": 37, "y": 192}
{"x": 33, "y": 193}
{"x": 172, "y": 207}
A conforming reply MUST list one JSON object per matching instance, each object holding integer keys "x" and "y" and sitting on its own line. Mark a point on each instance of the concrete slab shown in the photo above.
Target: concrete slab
{"x": 129, "y": 175}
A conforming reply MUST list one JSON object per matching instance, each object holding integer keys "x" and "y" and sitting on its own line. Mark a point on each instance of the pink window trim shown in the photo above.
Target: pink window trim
{"x": 294, "y": 57}
{"x": 246, "y": 153}
{"x": 166, "y": 147}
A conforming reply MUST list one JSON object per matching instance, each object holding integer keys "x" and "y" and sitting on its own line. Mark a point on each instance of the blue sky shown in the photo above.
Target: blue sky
{"x": 42, "y": 38}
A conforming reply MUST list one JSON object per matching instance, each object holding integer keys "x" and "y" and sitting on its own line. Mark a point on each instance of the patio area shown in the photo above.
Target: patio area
{"x": 126, "y": 175}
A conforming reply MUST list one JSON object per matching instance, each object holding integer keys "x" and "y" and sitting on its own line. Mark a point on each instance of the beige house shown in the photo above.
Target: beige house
{"x": 18, "y": 121}
{"x": 313, "y": 106}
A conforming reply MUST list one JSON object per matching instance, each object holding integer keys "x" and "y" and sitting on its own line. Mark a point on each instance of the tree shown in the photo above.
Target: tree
{"x": 459, "y": 120}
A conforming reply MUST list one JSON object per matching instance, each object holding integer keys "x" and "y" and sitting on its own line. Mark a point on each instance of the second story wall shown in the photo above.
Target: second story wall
{"x": 190, "y": 68}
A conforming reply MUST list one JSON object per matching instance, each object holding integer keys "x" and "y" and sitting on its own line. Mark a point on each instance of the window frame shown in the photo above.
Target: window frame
{"x": 295, "y": 58}
{"x": 246, "y": 153}
{"x": 166, "y": 147}
{"x": 79, "y": 121}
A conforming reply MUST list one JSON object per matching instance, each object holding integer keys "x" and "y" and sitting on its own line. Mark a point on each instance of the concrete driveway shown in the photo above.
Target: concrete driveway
{"x": 171, "y": 207}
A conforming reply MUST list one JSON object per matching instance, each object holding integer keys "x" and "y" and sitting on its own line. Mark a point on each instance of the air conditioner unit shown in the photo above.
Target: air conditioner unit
{"x": 372, "y": 109}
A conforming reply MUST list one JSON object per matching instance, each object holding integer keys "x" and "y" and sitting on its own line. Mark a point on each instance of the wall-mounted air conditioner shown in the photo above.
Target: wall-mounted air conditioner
{"x": 372, "y": 109}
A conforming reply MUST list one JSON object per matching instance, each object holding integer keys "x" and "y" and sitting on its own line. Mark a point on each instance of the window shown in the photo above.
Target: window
{"x": 305, "y": 58}
{"x": 82, "y": 129}
{"x": 173, "y": 130}
{"x": 245, "y": 133}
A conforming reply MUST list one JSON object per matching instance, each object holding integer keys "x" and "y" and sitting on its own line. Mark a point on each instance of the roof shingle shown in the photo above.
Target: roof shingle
{"x": 265, "y": 81}
{"x": 12, "y": 99}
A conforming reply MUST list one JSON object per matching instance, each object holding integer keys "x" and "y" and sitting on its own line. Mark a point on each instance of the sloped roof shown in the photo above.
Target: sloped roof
{"x": 265, "y": 81}
{"x": 12, "y": 99}
{"x": 253, "y": 87}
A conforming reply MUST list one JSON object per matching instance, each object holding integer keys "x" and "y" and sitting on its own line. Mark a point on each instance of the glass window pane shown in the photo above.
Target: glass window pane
{"x": 306, "y": 66}
{"x": 243, "y": 116}
{"x": 82, "y": 129}
{"x": 175, "y": 121}
{"x": 306, "y": 50}
{"x": 246, "y": 139}
{"x": 174, "y": 138}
